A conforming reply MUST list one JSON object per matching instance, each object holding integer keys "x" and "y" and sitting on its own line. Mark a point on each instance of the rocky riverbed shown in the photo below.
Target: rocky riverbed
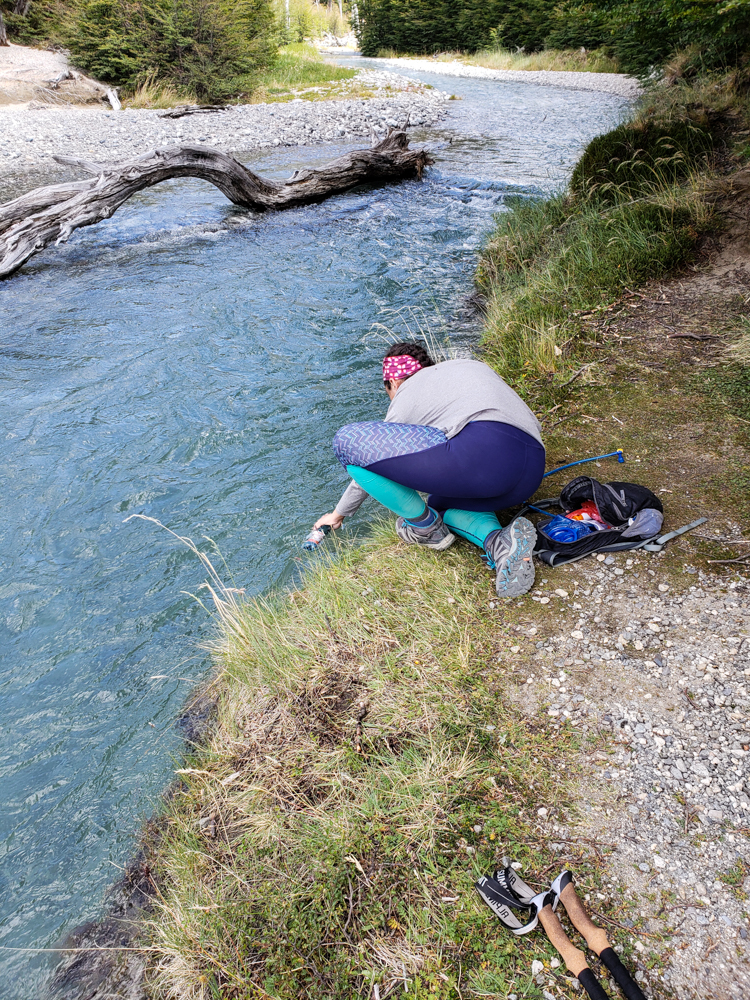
{"x": 29, "y": 138}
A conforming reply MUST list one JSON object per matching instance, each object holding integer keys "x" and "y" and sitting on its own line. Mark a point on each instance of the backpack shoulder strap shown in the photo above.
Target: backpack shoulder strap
{"x": 657, "y": 544}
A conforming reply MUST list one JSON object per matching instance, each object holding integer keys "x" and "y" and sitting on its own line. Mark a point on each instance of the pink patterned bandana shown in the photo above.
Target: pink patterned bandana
{"x": 402, "y": 366}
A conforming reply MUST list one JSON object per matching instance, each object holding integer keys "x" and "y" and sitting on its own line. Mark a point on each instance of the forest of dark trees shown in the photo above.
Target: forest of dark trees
{"x": 640, "y": 34}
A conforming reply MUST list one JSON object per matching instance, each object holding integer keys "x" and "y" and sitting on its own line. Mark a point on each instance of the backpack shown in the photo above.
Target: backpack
{"x": 634, "y": 512}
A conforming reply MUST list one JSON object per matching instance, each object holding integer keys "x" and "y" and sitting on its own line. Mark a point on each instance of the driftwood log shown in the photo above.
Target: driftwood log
{"x": 50, "y": 214}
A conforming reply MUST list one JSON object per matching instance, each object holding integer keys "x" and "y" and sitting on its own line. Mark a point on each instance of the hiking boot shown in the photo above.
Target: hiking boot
{"x": 436, "y": 536}
{"x": 510, "y": 554}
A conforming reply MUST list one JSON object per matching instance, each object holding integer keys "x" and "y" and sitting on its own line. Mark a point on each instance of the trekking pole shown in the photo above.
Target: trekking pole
{"x": 582, "y": 461}
{"x": 503, "y": 902}
{"x": 596, "y": 938}
{"x": 574, "y": 958}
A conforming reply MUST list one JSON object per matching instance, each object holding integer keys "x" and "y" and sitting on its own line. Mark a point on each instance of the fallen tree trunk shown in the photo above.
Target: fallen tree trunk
{"x": 50, "y": 214}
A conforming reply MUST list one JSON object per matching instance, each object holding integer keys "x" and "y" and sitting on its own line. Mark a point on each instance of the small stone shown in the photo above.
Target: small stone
{"x": 618, "y": 572}
{"x": 536, "y": 967}
{"x": 659, "y": 862}
{"x": 561, "y": 593}
{"x": 663, "y": 587}
{"x": 477, "y": 828}
{"x": 716, "y": 815}
{"x": 555, "y": 963}
{"x": 451, "y": 600}
{"x": 640, "y": 976}
{"x": 601, "y": 557}
{"x": 542, "y": 813}
{"x": 544, "y": 600}
{"x": 576, "y": 635}
{"x": 609, "y": 560}
{"x": 644, "y": 867}
{"x": 514, "y": 649}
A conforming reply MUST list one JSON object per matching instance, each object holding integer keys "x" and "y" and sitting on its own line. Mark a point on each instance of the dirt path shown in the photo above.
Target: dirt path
{"x": 651, "y": 653}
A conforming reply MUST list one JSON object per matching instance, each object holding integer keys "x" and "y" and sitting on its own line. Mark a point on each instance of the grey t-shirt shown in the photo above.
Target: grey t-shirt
{"x": 449, "y": 396}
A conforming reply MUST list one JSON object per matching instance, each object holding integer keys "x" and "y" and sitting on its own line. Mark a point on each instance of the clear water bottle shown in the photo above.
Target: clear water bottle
{"x": 315, "y": 537}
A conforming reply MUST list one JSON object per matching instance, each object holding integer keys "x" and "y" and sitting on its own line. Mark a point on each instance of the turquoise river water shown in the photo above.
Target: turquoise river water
{"x": 191, "y": 361}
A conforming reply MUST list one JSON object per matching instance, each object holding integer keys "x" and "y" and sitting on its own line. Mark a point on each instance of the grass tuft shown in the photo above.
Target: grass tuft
{"x": 153, "y": 92}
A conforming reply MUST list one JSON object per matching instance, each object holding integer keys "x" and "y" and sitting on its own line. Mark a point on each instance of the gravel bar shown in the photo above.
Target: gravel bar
{"x": 608, "y": 83}
{"x": 28, "y": 138}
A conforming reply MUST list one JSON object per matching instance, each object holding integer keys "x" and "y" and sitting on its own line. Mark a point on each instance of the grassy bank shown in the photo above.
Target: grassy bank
{"x": 365, "y": 769}
{"x": 639, "y": 204}
{"x": 572, "y": 60}
{"x": 298, "y": 70}
{"x": 373, "y": 752}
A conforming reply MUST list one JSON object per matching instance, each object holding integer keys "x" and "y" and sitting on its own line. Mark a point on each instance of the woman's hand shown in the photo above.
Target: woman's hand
{"x": 334, "y": 519}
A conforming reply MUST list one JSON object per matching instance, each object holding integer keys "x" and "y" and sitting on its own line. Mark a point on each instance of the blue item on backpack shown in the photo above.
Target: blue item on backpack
{"x": 564, "y": 529}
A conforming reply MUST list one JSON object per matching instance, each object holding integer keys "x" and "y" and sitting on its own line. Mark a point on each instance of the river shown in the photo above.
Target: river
{"x": 190, "y": 361}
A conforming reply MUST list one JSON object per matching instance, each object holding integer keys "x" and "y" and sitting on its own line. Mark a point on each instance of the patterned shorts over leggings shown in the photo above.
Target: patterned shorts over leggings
{"x": 487, "y": 466}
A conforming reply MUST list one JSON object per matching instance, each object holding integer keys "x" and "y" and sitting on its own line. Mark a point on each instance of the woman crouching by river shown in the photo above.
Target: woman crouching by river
{"x": 456, "y": 431}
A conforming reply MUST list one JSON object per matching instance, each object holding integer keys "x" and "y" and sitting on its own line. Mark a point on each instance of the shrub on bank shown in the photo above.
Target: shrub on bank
{"x": 211, "y": 48}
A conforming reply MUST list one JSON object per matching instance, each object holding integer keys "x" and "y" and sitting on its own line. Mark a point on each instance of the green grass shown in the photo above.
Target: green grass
{"x": 298, "y": 71}
{"x": 549, "y": 262}
{"x": 346, "y": 856}
{"x": 298, "y": 68}
{"x": 735, "y": 878}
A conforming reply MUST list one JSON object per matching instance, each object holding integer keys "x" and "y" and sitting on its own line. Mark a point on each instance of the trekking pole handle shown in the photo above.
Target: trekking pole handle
{"x": 574, "y": 958}
{"x": 597, "y": 940}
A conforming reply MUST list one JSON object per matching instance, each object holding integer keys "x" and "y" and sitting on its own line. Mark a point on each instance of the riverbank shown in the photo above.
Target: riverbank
{"x": 608, "y": 83}
{"x": 29, "y": 138}
{"x": 387, "y": 733}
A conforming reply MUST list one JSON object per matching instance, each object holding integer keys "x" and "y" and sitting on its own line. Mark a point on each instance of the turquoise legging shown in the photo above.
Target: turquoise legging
{"x": 407, "y": 503}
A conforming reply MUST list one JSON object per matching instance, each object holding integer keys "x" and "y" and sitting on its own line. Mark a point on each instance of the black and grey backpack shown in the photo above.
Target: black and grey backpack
{"x": 635, "y": 513}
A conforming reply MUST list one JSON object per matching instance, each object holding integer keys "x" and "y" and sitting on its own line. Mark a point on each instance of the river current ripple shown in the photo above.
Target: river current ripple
{"x": 191, "y": 362}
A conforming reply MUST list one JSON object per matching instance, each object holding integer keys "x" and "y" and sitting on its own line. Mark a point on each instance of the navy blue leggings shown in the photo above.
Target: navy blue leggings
{"x": 487, "y": 466}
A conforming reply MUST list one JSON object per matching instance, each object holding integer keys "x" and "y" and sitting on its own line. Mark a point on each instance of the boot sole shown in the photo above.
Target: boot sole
{"x": 516, "y": 575}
